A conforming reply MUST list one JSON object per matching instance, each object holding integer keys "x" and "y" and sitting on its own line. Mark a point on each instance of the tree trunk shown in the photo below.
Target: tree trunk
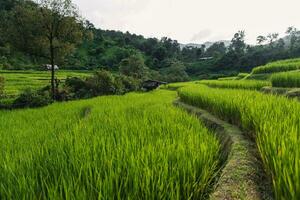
{"x": 52, "y": 70}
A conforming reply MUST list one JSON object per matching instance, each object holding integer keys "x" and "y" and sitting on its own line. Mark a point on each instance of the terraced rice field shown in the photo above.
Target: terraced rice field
{"x": 272, "y": 121}
{"x": 286, "y": 79}
{"x": 278, "y": 66}
{"x": 236, "y": 84}
{"x": 136, "y": 146}
{"x": 17, "y": 81}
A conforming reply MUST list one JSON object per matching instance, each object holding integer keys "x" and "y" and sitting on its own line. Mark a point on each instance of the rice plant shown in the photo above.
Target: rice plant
{"x": 136, "y": 146}
{"x": 175, "y": 86}
{"x": 273, "y": 121}
{"x": 227, "y": 78}
{"x": 242, "y": 76}
{"x": 238, "y": 77}
{"x": 278, "y": 66}
{"x": 2, "y": 80}
{"x": 236, "y": 84}
{"x": 17, "y": 81}
{"x": 286, "y": 79}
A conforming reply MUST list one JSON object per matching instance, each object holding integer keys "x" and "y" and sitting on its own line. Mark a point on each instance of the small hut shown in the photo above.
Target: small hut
{"x": 48, "y": 67}
{"x": 152, "y": 84}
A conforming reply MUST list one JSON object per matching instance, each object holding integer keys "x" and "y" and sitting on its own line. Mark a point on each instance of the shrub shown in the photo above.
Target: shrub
{"x": 32, "y": 99}
{"x": 76, "y": 88}
{"x": 101, "y": 83}
{"x": 175, "y": 72}
{"x": 134, "y": 66}
{"x": 127, "y": 84}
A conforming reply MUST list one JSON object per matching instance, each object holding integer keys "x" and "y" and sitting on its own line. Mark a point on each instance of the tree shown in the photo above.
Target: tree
{"x": 294, "y": 35}
{"x": 238, "y": 44}
{"x": 134, "y": 66}
{"x": 272, "y": 37}
{"x": 160, "y": 53}
{"x": 216, "y": 49}
{"x": 61, "y": 30}
{"x": 101, "y": 83}
{"x": 175, "y": 71}
{"x": 261, "y": 39}
{"x": 280, "y": 44}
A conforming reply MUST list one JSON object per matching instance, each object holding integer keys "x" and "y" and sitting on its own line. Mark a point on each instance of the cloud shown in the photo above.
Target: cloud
{"x": 181, "y": 20}
{"x": 201, "y": 36}
{"x": 111, "y": 14}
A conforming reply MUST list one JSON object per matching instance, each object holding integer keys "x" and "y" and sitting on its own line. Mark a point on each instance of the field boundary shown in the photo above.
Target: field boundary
{"x": 242, "y": 175}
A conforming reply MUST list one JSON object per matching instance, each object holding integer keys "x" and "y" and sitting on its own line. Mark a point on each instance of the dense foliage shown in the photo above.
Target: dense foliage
{"x": 136, "y": 146}
{"x": 22, "y": 48}
{"x": 31, "y": 99}
{"x": 99, "y": 84}
{"x": 273, "y": 122}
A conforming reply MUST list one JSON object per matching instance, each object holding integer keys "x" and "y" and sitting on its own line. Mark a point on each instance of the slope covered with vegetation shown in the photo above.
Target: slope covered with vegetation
{"x": 20, "y": 80}
{"x": 272, "y": 121}
{"x": 286, "y": 79}
{"x": 22, "y": 48}
{"x": 236, "y": 84}
{"x": 130, "y": 147}
{"x": 278, "y": 66}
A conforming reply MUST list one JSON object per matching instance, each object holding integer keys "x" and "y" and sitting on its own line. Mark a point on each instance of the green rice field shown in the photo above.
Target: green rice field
{"x": 17, "y": 81}
{"x": 286, "y": 79}
{"x": 278, "y": 66}
{"x": 274, "y": 123}
{"x": 140, "y": 146}
{"x": 236, "y": 84}
{"x": 136, "y": 146}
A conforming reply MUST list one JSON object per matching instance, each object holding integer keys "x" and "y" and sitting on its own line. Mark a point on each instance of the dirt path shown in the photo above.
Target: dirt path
{"x": 242, "y": 176}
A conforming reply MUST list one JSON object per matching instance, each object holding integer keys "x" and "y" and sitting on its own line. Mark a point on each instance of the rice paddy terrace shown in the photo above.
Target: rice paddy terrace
{"x": 17, "y": 81}
{"x": 223, "y": 139}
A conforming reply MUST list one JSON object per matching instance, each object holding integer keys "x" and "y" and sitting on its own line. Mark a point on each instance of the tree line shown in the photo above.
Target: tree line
{"x": 51, "y": 31}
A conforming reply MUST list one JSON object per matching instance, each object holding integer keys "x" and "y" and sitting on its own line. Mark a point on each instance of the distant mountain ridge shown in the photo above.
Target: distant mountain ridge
{"x": 206, "y": 44}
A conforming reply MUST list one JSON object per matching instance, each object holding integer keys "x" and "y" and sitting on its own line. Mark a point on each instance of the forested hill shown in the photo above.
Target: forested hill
{"x": 163, "y": 58}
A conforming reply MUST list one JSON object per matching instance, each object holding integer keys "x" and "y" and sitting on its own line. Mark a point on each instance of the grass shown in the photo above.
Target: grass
{"x": 136, "y": 146}
{"x": 236, "y": 84}
{"x": 17, "y": 81}
{"x": 278, "y": 66}
{"x": 262, "y": 77}
{"x": 273, "y": 121}
{"x": 286, "y": 79}
{"x": 175, "y": 86}
{"x": 227, "y": 78}
{"x": 1, "y": 86}
{"x": 240, "y": 76}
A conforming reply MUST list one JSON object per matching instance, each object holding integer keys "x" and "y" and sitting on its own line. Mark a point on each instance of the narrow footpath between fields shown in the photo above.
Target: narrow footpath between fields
{"x": 242, "y": 175}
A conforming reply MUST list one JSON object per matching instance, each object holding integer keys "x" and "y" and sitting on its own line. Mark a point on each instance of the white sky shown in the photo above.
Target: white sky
{"x": 195, "y": 21}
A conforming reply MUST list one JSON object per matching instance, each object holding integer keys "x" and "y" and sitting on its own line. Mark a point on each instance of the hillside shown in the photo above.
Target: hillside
{"x": 105, "y": 49}
{"x": 93, "y": 114}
